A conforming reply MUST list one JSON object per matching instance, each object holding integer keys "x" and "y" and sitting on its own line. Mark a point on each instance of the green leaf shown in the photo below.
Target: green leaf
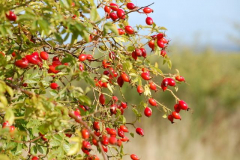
{"x": 130, "y": 48}
{"x": 132, "y": 134}
{"x": 74, "y": 149}
{"x": 58, "y": 38}
{"x": 9, "y": 116}
{"x": 4, "y": 157}
{"x": 66, "y": 147}
{"x": 94, "y": 16}
{"x": 42, "y": 149}
{"x": 60, "y": 67}
{"x": 85, "y": 100}
{"x": 44, "y": 25}
{"x": 110, "y": 26}
{"x": 68, "y": 58}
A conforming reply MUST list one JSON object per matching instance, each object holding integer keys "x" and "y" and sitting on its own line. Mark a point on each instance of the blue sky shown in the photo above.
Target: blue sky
{"x": 211, "y": 20}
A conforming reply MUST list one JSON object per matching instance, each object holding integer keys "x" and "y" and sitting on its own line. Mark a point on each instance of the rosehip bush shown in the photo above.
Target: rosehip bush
{"x": 63, "y": 63}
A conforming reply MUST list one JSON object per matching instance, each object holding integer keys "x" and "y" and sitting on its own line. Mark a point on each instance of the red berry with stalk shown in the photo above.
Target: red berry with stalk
{"x": 107, "y": 9}
{"x": 170, "y": 118}
{"x": 180, "y": 78}
{"x": 147, "y": 10}
{"x": 152, "y": 102}
{"x": 102, "y": 99}
{"x": 129, "y": 30}
{"x": 134, "y": 157}
{"x": 176, "y": 115}
{"x": 44, "y": 55}
{"x": 113, "y": 16}
{"x": 149, "y": 21}
{"x": 11, "y": 16}
{"x": 121, "y": 14}
{"x": 140, "y": 131}
{"x": 82, "y": 57}
{"x": 54, "y": 85}
{"x": 148, "y": 112}
{"x": 85, "y": 133}
{"x": 140, "y": 89}
{"x": 183, "y": 105}
{"x": 131, "y": 6}
{"x": 113, "y": 6}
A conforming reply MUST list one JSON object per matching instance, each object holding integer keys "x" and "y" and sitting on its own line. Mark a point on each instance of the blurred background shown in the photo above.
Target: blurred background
{"x": 205, "y": 48}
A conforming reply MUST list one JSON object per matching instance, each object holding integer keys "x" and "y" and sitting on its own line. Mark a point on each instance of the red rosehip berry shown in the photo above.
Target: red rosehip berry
{"x": 120, "y": 133}
{"x": 148, "y": 112}
{"x": 170, "y": 118}
{"x": 131, "y": 6}
{"x": 96, "y": 126}
{"x": 82, "y": 57}
{"x": 107, "y": 9}
{"x": 160, "y": 44}
{"x": 151, "y": 44}
{"x": 138, "y": 52}
{"x": 54, "y": 85}
{"x": 147, "y": 10}
{"x": 11, "y": 16}
{"x": 180, "y": 78}
{"x": 113, "y": 6}
{"x": 22, "y": 63}
{"x": 44, "y": 55}
{"x": 140, "y": 131}
{"x": 134, "y": 157}
{"x": 149, "y": 21}
{"x": 104, "y": 140}
{"x": 102, "y": 99}
{"x": 183, "y": 105}
{"x": 134, "y": 55}
{"x": 121, "y": 14}
{"x": 35, "y": 158}
{"x": 144, "y": 52}
{"x": 176, "y": 115}
{"x": 152, "y": 102}
{"x": 140, "y": 89}
{"x": 113, "y": 16}
{"x": 177, "y": 108}
{"x": 160, "y": 36}
{"x": 125, "y": 77}
{"x": 124, "y": 128}
{"x": 129, "y": 30}
{"x": 152, "y": 86}
{"x": 112, "y": 140}
{"x": 121, "y": 31}
{"x": 124, "y": 105}
{"x": 145, "y": 76}
{"x": 85, "y": 133}
{"x": 120, "y": 81}
{"x": 171, "y": 82}
{"x": 163, "y": 53}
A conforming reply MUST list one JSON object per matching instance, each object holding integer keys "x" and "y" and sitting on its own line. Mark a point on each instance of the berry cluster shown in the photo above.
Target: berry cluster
{"x": 94, "y": 115}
